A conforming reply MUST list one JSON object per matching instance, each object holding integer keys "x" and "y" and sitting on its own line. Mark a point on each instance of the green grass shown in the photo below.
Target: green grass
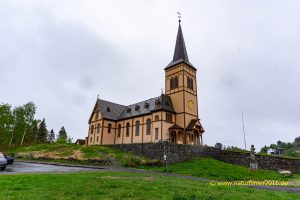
{"x": 218, "y": 170}
{"x": 119, "y": 185}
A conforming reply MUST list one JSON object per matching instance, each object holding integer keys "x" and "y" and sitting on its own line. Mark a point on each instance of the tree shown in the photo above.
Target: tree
{"x": 42, "y": 133}
{"x": 6, "y": 123}
{"x": 51, "y": 137}
{"x": 264, "y": 149}
{"x": 62, "y": 136}
{"x": 29, "y": 112}
{"x": 297, "y": 139}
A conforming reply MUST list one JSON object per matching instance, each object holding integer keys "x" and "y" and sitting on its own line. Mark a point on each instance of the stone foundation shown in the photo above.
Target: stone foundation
{"x": 181, "y": 152}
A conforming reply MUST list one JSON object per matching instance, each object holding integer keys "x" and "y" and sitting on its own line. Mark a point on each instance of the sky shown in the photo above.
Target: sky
{"x": 61, "y": 54}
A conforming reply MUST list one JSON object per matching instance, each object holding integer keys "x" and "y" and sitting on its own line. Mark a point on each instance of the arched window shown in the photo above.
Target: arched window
{"x": 148, "y": 126}
{"x": 92, "y": 129}
{"x": 98, "y": 128}
{"x": 176, "y": 82}
{"x": 172, "y": 83}
{"x": 127, "y": 129}
{"x": 109, "y": 128}
{"x": 190, "y": 83}
{"x": 156, "y": 118}
{"x": 137, "y": 128}
{"x": 119, "y": 130}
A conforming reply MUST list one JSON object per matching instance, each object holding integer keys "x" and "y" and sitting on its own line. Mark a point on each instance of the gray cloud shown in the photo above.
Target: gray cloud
{"x": 62, "y": 54}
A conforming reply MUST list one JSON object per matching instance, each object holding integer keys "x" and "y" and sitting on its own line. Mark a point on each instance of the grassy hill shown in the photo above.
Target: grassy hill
{"x": 101, "y": 155}
{"x": 71, "y": 153}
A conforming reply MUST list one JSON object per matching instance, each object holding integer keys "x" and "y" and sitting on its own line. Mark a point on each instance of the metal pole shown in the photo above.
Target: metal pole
{"x": 244, "y": 130}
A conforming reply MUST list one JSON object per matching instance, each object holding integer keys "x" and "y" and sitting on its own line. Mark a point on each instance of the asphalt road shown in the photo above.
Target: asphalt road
{"x": 22, "y": 167}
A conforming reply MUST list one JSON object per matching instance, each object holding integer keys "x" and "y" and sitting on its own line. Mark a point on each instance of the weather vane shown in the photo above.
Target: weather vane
{"x": 179, "y": 16}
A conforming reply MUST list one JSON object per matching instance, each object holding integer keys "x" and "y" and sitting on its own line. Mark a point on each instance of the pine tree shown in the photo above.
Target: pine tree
{"x": 51, "y": 137}
{"x": 62, "y": 136}
{"x": 42, "y": 132}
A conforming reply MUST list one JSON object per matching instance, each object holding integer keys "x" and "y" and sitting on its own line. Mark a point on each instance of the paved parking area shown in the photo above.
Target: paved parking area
{"x": 23, "y": 167}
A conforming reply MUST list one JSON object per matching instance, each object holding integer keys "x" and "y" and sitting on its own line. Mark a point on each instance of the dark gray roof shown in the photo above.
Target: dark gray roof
{"x": 118, "y": 112}
{"x": 180, "y": 53}
{"x": 114, "y": 112}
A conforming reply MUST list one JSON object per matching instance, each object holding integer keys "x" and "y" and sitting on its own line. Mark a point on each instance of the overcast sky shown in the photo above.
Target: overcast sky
{"x": 61, "y": 54}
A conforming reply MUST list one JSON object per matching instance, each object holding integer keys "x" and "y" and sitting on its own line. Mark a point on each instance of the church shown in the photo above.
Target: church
{"x": 172, "y": 116}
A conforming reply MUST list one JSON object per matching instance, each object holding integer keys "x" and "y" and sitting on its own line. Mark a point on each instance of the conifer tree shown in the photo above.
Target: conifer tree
{"x": 42, "y": 132}
{"x": 51, "y": 137}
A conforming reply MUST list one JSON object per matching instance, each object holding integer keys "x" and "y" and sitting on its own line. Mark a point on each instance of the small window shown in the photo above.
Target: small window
{"x": 108, "y": 109}
{"x": 109, "y": 128}
{"x": 168, "y": 117}
{"x": 91, "y": 139}
{"x": 98, "y": 128}
{"x": 146, "y": 105}
{"x": 119, "y": 130}
{"x": 92, "y": 129}
{"x": 157, "y": 103}
{"x": 97, "y": 115}
{"x": 176, "y": 82}
{"x": 137, "y": 128}
{"x": 156, "y": 118}
{"x": 137, "y": 107}
{"x": 190, "y": 83}
{"x": 97, "y": 138}
{"x": 156, "y": 133}
{"x": 127, "y": 129}
{"x": 128, "y": 110}
{"x": 172, "y": 83}
{"x": 148, "y": 126}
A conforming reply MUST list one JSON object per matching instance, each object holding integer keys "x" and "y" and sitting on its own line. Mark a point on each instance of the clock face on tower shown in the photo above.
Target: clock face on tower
{"x": 191, "y": 104}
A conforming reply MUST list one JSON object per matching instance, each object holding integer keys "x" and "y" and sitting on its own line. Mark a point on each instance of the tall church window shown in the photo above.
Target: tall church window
{"x": 148, "y": 126}
{"x": 109, "y": 128}
{"x": 137, "y": 128}
{"x": 127, "y": 129}
{"x": 119, "y": 130}
{"x": 92, "y": 129}
{"x": 168, "y": 117}
{"x": 98, "y": 128}
{"x": 174, "y": 83}
{"x": 190, "y": 83}
{"x": 156, "y": 133}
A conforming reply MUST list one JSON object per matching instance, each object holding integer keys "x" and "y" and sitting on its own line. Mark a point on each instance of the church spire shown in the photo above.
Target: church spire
{"x": 180, "y": 50}
{"x": 180, "y": 53}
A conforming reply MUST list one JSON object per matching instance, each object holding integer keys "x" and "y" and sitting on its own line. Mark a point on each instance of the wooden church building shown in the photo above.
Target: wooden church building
{"x": 172, "y": 116}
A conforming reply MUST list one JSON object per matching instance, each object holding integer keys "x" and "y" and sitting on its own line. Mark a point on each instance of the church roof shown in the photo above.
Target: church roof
{"x": 180, "y": 52}
{"x": 113, "y": 111}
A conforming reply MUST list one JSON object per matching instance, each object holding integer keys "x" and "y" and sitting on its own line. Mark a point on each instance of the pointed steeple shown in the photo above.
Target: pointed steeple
{"x": 180, "y": 53}
{"x": 180, "y": 50}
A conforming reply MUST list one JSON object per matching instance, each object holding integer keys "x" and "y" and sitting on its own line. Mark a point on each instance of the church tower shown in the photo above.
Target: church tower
{"x": 181, "y": 86}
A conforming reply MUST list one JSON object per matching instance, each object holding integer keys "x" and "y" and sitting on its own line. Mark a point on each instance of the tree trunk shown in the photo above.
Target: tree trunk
{"x": 23, "y": 136}
{"x": 12, "y": 135}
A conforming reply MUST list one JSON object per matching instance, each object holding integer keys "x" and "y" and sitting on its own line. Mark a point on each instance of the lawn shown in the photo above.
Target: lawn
{"x": 217, "y": 170}
{"x": 120, "y": 185}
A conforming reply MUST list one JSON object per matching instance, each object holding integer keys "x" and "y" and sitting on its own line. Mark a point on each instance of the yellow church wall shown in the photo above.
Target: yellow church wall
{"x": 191, "y": 108}
{"x": 108, "y": 138}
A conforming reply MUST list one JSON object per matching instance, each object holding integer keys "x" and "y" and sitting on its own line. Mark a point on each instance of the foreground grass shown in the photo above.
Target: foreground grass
{"x": 119, "y": 185}
{"x": 72, "y": 153}
{"x": 218, "y": 170}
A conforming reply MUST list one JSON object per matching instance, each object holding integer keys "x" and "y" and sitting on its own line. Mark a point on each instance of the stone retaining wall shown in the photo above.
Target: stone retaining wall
{"x": 180, "y": 152}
